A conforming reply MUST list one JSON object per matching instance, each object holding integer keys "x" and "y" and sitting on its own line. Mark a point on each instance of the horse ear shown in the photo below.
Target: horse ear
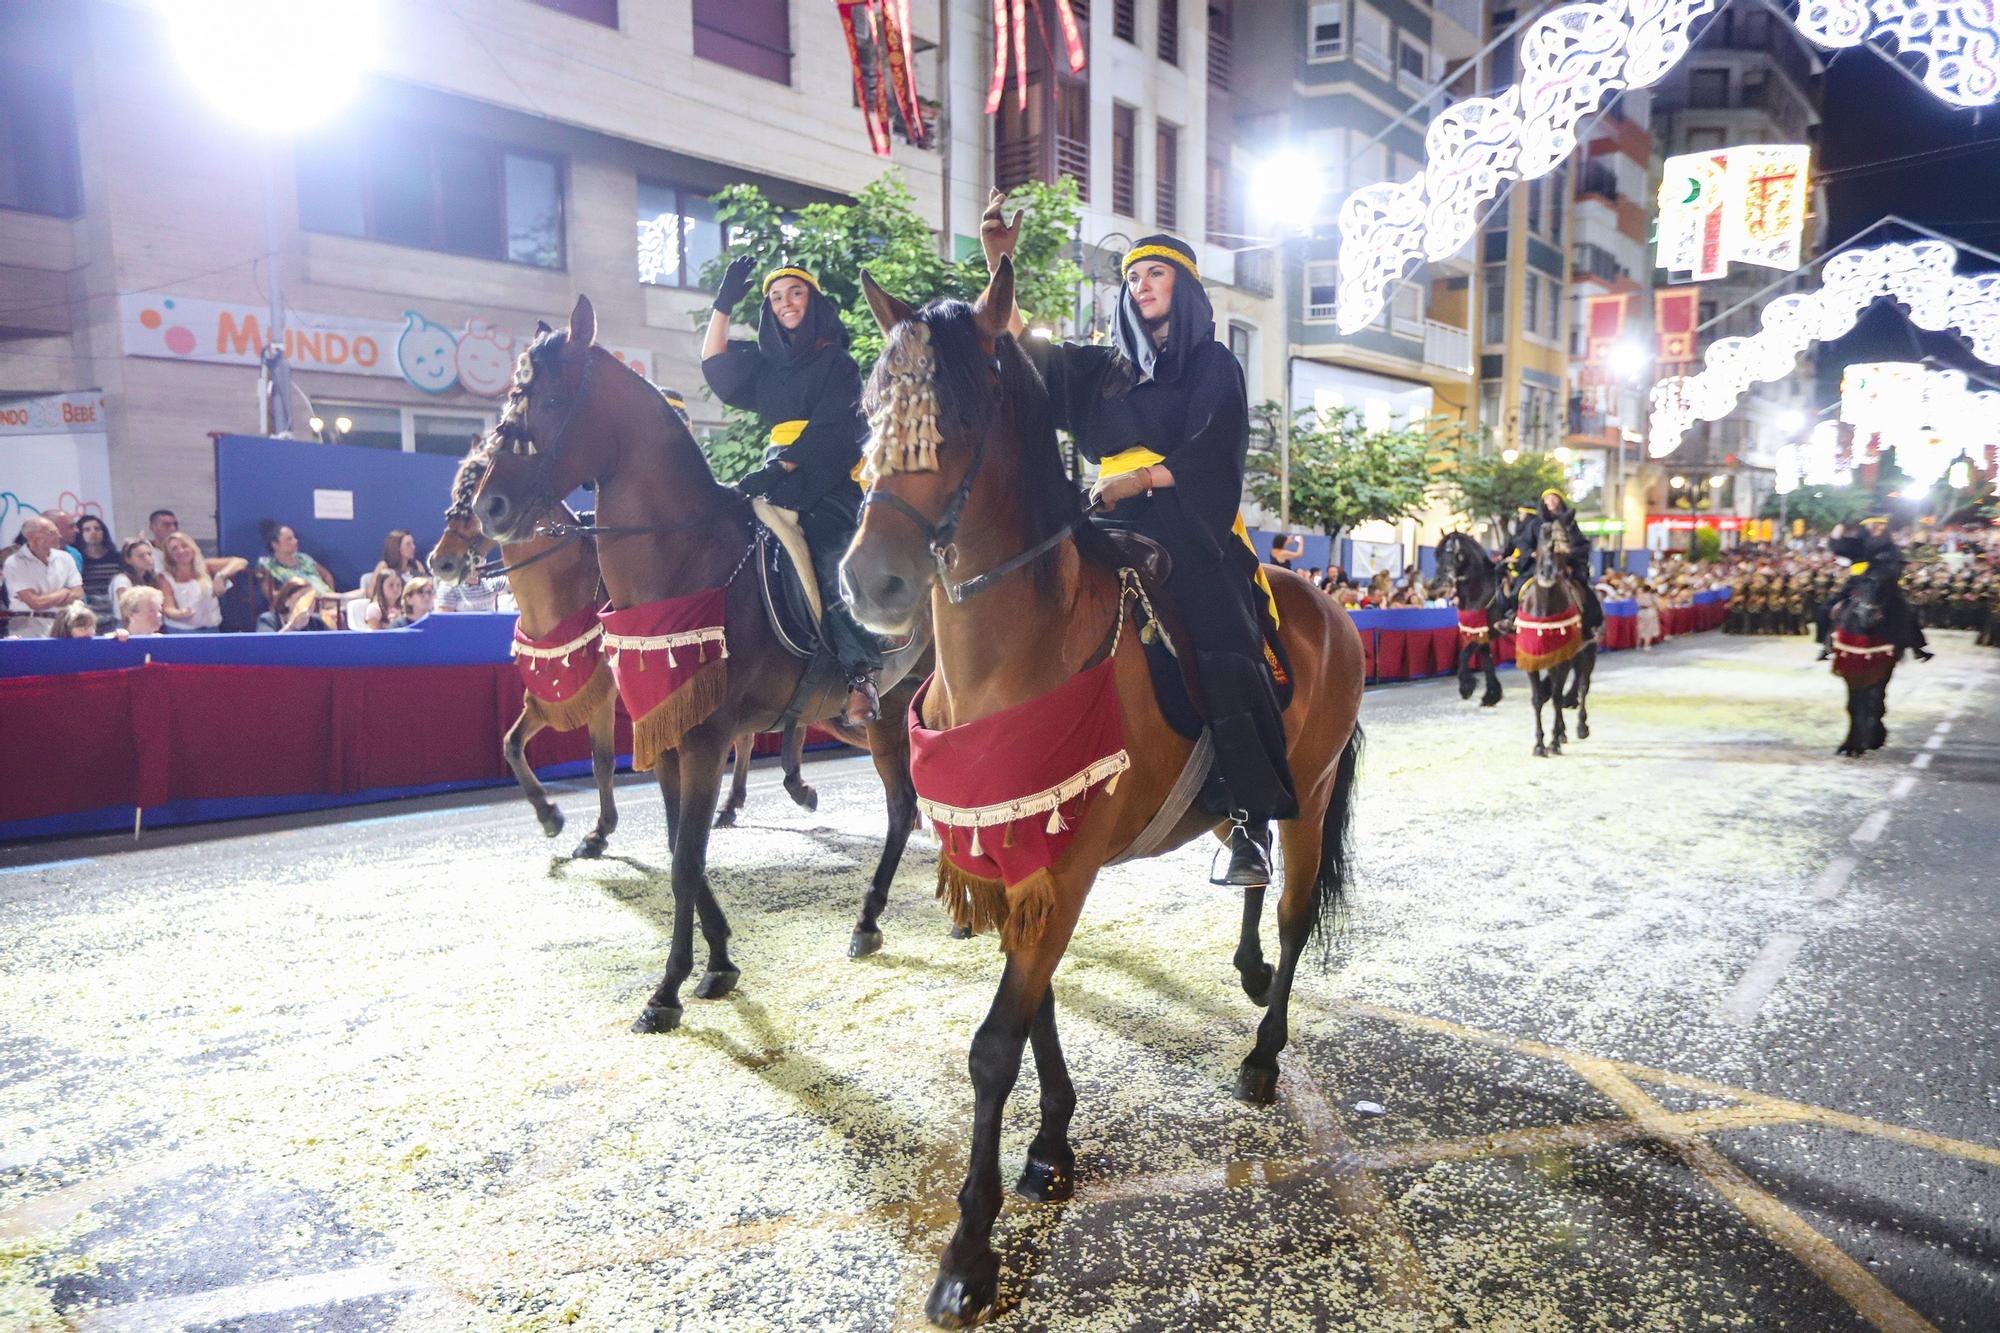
{"x": 994, "y": 310}
{"x": 888, "y": 311}
{"x": 542, "y": 327}
{"x": 583, "y": 323}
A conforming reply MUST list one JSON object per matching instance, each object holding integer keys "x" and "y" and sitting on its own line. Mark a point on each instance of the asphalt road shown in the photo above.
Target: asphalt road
{"x": 1687, "y": 1028}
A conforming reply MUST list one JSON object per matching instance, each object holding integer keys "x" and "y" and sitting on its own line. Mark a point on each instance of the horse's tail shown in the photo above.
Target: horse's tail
{"x": 1336, "y": 851}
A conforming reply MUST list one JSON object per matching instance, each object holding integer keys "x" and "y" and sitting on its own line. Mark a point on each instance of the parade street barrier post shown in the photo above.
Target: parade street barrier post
{"x": 197, "y": 727}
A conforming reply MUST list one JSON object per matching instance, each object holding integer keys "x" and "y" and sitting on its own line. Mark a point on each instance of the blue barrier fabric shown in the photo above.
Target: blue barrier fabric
{"x": 436, "y": 640}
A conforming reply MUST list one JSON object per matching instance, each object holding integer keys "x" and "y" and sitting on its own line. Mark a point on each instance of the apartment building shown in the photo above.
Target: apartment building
{"x": 508, "y": 155}
{"x": 1750, "y": 78}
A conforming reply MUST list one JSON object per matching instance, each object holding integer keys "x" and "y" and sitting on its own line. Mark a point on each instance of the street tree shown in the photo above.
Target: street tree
{"x": 1343, "y": 472}
{"x": 1821, "y": 508}
{"x": 1483, "y": 487}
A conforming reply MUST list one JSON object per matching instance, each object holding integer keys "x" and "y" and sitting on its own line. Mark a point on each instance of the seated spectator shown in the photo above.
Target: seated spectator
{"x": 419, "y": 600}
{"x": 383, "y": 609}
{"x": 142, "y": 609}
{"x": 135, "y": 570}
{"x": 160, "y": 525}
{"x": 470, "y": 594}
{"x": 75, "y": 621}
{"x": 41, "y": 579}
{"x": 100, "y": 564}
{"x": 297, "y": 601}
{"x": 286, "y": 563}
{"x": 66, "y": 533}
{"x": 399, "y": 552}
{"x": 195, "y": 586}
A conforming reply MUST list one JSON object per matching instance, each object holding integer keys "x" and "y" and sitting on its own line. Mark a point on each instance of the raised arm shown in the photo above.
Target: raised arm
{"x": 735, "y": 286}
{"x": 998, "y": 237}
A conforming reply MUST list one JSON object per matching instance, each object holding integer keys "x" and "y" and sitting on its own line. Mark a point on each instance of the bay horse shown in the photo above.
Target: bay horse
{"x": 965, "y": 476}
{"x": 1561, "y": 676}
{"x": 552, "y": 580}
{"x": 1477, "y": 583}
{"x": 1865, "y": 657}
{"x": 666, "y": 529}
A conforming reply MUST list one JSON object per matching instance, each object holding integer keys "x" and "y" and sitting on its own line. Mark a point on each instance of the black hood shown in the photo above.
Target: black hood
{"x": 1190, "y": 317}
{"x": 819, "y": 328}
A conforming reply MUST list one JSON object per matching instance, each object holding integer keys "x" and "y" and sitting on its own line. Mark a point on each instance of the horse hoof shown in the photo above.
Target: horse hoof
{"x": 590, "y": 848}
{"x": 803, "y": 795}
{"x": 1047, "y": 1182}
{"x": 726, "y": 817}
{"x": 1257, "y": 985}
{"x": 1257, "y": 1084}
{"x": 1583, "y": 731}
{"x": 864, "y": 943}
{"x": 552, "y": 822}
{"x": 961, "y": 932}
{"x": 1541, "y": 751}
{"x": 963, "y": 1301}
{"x": 657, "y": 1018}
{"x": 714, "y": 985}
{"x": 1490, "y": 701}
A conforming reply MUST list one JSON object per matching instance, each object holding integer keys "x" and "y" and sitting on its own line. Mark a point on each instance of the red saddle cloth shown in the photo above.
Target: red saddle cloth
{"x": 561, "y": 669}
{"x": 1472, "y": 625}
{"x": 670, "y": 661}
{"x": 1860, "y": 654}
{"x": 1541, "y": 644}
{"x": 1005, "y": 793}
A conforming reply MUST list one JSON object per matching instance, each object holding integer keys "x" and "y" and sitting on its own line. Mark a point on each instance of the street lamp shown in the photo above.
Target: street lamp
{"x": 1286, "y": 189}
{"x": 1629, "y": 360}
{"x": 1509, "y": 454}
{"x": 277, "y": 67}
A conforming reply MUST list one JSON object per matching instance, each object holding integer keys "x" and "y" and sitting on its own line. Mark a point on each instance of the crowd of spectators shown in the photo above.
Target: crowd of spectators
{"x": 67, "y": 576}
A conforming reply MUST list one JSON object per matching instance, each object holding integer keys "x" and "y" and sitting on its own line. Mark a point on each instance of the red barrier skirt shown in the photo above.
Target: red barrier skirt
{"x": 1619, "y": 632}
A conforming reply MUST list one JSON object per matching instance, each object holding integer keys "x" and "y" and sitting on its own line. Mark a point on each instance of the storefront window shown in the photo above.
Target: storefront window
{"x": 678, "y": 234}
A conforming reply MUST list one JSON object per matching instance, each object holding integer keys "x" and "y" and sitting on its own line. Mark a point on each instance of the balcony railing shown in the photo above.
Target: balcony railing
{"x": 1073, "y": 160}
{"x": 1448, "y": 346}
{"x": 1257, "y": 271}
{"x": 1465, "y": 13}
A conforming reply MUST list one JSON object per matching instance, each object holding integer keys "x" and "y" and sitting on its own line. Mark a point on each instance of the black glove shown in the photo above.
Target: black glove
{"x": 735, "y": 284}
{"x": 758, "y": 480}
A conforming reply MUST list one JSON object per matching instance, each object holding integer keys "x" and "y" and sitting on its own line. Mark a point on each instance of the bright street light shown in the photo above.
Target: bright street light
{"x": 1286, "y": 189}
{"x": 1717, "y": 479}
{"x": 343, "y": 424}
{"x": 1509, "y": 455}
{"x": 1792, "y": 422}
{"x": 275, "y": 65}
{"x": 1628, "y": 359}
{"x": 1678, "y": 482}
{"x": 316, "y": 423}
{"x": 1562, "y": 453}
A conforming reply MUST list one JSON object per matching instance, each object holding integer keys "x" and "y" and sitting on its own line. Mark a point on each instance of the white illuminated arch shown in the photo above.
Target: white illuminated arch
{"x": 1919, "y": 276}
{"x": 1570, "y": 59}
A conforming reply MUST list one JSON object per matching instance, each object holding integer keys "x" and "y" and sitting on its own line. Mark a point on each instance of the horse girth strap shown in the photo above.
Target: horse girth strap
{"x": 1179, "y": 798}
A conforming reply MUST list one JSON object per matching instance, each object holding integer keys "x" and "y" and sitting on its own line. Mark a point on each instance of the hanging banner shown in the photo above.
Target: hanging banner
{"x": 1693, "y": 196}
{"x": 1604, "y": 325}
{"x": 1010, "y": 31}
{"x": 1676, "y": 311}
{"x": 856, "y": 23}
{"x": 1745, "y": 204}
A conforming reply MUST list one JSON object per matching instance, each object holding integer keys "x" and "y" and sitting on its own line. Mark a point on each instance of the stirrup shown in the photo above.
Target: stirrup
{"x": 1249, "y": 856}
{"x": 863, "y": 685}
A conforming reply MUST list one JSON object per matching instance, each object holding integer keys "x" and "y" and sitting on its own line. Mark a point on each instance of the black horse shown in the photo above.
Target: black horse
{"x": 1480, "y": 590}
{"x": 1550, "y": 596}
{"x": 1865, "y": 656}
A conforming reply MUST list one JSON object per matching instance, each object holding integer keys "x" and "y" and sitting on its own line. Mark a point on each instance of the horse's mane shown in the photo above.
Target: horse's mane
{"x": 471, "y": 471}
{"x": 931, "y": 384}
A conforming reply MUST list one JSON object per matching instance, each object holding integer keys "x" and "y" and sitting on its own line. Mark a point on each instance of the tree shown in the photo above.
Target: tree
{"x": 1343, "y": 472}
{"x": 882, "y": 232}
{"x": 1484, "y": 487}
{"x": 1821, "y": 508}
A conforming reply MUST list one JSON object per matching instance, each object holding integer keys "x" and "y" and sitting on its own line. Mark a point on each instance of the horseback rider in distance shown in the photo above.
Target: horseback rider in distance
{"x": 1875, "y": 557}
{"x": 1520, "y": 559}
{"x": 1163, "y": 413}
{"x": 806, "y": 392}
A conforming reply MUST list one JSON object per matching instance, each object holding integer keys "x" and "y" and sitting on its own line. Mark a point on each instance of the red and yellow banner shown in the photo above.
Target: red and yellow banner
{"x": 1676, "y": 312}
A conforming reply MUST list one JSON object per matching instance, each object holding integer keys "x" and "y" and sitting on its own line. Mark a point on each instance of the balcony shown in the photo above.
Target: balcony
{"x": 1257, "y": 272}
{"x": 1597, "y": 178}
{"x": 1447, "y": 346}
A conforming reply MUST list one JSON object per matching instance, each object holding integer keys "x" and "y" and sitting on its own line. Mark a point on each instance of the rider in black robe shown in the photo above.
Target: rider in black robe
{"x": 1878, "y": 559}
{"x": 1555, "y": 509}
{"x": 1147, "y": 406}
{"x": 806, "y": 392}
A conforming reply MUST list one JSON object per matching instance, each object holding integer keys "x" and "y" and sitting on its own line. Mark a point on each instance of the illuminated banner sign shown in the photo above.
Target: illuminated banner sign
{"x": 1746, "y": 204}
{"x": 1676, "y": 312}
{"x": 1604, "y": 323}
{"x": 1692, "y": 196}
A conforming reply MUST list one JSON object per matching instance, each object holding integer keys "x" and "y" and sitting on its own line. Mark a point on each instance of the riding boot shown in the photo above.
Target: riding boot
{"x": 1249, "y": 854}
{"x": 864, "y": 701}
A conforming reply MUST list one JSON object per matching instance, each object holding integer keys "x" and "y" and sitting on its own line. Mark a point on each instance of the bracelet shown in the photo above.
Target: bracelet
{"x": 1148, "y": 470}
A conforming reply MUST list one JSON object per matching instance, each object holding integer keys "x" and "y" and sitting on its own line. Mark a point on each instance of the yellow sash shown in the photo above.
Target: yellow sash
{"x": 1131, "y": 460}
{"x": 785, "y": 433}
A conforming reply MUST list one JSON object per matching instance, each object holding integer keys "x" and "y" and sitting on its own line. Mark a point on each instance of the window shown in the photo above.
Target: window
{"x": 1700, "y": 141}
{"x": 1073, "y": 134}
{"x": 411, "y": 185}
{"x": 1493, "y": 285}
{"x": 1124, "y": 160}
{"x": 1413, "y": 60}
{"x": 1221, "y": 50}
{"x": 1125, "y": 20}
{"x": 1531, "y": 303}
{"x": 1167, "y": 165}
{"x": 754, "y": 36}
{"x": 1322, "y": 289}
{"x": 419, "y": 430}
{"x": 1371, "y": 36}
{"x": 38, "y": 159}
{"x": 596, "y": 11}
{"x": 1326, "y": 32}
{"x": 678, "y": 234}
{"x": 1708, "y": 88}
{"x": 1239, "y": 345}
{"x": 1533, "y": 190}
{"x": 1170, "y": 31}
{"x": 1558, "y": 201}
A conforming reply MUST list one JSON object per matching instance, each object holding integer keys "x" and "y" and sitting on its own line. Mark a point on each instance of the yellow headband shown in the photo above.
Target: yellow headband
{"x": 1876, "y": 518}
{"x": 1552, "y": 491}
{"x": 799, "y": 273}
{"x": 1166, "y": 252}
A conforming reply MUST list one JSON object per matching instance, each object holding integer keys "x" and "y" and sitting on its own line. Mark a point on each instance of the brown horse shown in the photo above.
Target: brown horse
{"x": 965, "y": 480}
{"x": 665, "y": 529}
{"x": 552, "y": 580}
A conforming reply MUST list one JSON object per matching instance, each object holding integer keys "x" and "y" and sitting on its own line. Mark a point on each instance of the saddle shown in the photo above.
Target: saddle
{"x": 785, "y": 579}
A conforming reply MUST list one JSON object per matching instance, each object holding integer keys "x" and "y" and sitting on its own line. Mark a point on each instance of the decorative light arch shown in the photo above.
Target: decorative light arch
{"x": 1919, "y": 276}
{"x": 1570, "y": 59}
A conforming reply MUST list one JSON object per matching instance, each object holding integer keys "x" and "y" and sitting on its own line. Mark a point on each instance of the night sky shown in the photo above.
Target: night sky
{"x": 1874, "y": 115}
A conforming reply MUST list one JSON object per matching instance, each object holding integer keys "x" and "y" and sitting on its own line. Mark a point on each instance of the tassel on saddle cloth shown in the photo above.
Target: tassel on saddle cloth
{"x": 1005, "y": 794}
{"x": 1473, "y": 625}
{"x": 669, "y": 659}
{"x": 1861, "y": 654}
{"x": 1541, "y": 644}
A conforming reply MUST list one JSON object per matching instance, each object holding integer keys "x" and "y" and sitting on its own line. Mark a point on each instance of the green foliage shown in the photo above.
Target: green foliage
{"x": 1343, "y": 473}
{"x": 1484, "y": 487}
{"x": 882, "y": 232}
{"x": 1707, "y": 545}
{"x": 1821, "y": 507}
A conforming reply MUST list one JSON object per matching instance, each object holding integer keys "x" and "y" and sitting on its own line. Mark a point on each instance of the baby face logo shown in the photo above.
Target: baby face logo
{"x": 427, "y": 354}
{"x": 485, "y": 359}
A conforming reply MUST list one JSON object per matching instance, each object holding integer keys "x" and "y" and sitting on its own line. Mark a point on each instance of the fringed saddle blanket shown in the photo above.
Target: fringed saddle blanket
{"x": 1472, "y": 626}
{"x": 1541, "y": 644}
{"x": 1861, "y": 654}
{"x": 1005, "y": 794}
{"x": 562, "y": 669}
{"x": 669, "y": 659}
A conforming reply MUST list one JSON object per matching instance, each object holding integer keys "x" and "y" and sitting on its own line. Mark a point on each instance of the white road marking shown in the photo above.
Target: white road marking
{"x": 1871, "y": 828}
{"x": 172, "y": 1313}
{"x": 1904, "y": 786}
{"x": 1934, "y": 742}
{"x": 1921, "y": 761}
{"x": 1834, "y": 878}
{"x": 47, "y": 865}
{"x": 1760, "y": 979}
{"x": 1944, "y": 727}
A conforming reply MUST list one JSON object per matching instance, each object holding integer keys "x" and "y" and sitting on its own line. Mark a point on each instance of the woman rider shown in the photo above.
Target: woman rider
{"x": 804, "y": 387}
{"x": 1555, "y": 509}
{"x": 1163, "y": 413}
